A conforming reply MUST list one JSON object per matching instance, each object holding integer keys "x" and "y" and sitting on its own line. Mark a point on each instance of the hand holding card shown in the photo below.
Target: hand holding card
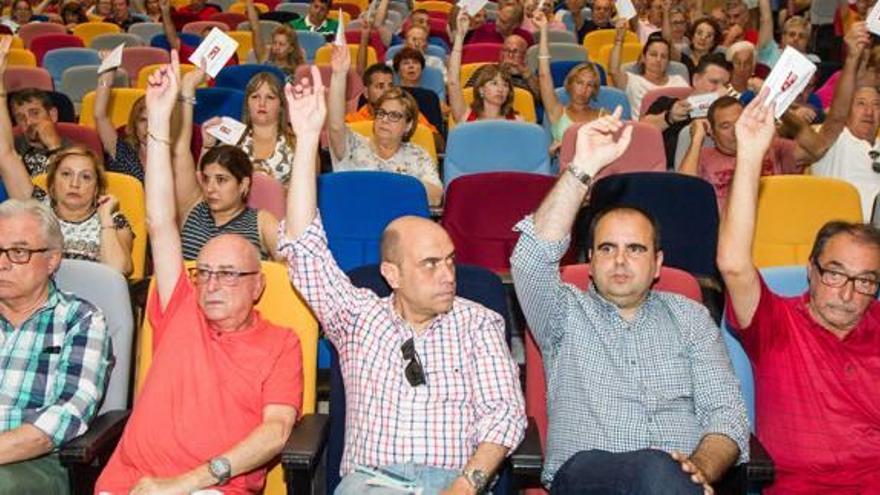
{"x": 787, "y": 80}
{"x": 112, "y": 60}
{"x": 215, "y": 50}
{"x": 229, "y": 130}
{"x": 700, "y": 104}
{"x": 625, "y": 9}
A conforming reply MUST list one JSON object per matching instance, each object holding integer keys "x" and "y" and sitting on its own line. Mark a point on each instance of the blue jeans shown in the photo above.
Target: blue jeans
{"x": 430, "y": 479}
{"x": 641, "y": 472}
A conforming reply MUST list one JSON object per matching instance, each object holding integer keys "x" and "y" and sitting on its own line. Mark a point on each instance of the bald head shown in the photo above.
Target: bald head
{"x": 230, "y": 250}
{"x": 403, "y": 231}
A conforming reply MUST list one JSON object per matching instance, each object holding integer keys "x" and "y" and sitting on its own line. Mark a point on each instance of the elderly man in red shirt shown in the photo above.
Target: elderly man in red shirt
{"x": 816, "y": 357}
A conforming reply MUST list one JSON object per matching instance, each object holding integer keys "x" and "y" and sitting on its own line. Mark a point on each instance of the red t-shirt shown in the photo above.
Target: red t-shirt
{"x": 205, "y": 392}
{"x": 817, "y": 397}
{"x": 203, "y": 15}
{"x": 717, "y": 168}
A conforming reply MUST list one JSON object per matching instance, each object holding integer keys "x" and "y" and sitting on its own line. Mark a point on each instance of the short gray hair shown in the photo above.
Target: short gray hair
{"x": 49, "y": 226}
{"x": 740, "y": 46}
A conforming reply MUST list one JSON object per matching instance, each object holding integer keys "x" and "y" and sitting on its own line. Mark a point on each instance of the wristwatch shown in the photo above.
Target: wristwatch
{"x": 478, "y": 479}
{"x": 584, "y": 178}
{"x": 220, "y": 469}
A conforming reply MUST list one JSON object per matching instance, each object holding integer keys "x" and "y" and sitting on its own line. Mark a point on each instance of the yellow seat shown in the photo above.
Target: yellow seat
{"x": 334, "y": 14}
{"x": 21, "y": 57}
{"x": 17, "y": 42}
{"x": 281, "y": 305}
{"x": 434, "y": 6}
{"x": 630, "y": 52}
{"x": 241, "y": 8}
{"x": 95, "y": 18}
{"x": 422, "y": 137}
{"x": 362, "y": 4}
{"x": 88, "y": 30}
{"x": 324, "y": 54}
{"x": 467, "y": 70}
{"x": 180, "y": 3}
{"x": 595, "y": 40}
{"x": 121, "y": 101}
{"x": 245, "y": 43}
{"x": 130, "y": 193}
{"x": 792, "y": 209}
{"x": 523, "y": 103}
{"x": 146, "y": 70}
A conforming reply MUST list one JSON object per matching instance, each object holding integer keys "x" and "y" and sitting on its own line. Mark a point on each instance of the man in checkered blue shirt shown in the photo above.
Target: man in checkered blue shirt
{"x": 633, "y": 375}
{"x": 54, "y": 353}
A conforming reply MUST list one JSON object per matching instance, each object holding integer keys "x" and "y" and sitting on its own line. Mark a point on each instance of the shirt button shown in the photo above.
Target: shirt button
{"x": 632, "y": 362}
{"x": 650, "y": 419}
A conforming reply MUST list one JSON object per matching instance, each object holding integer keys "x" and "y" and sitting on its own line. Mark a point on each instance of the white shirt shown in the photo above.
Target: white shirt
{"x": 849, "y": 159}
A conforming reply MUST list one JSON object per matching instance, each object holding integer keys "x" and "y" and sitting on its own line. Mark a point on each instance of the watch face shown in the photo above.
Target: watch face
{"x": 220, "y": 467}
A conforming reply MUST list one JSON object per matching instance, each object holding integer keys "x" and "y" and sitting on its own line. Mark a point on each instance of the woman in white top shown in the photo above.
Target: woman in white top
{"x": 651, "y": 73}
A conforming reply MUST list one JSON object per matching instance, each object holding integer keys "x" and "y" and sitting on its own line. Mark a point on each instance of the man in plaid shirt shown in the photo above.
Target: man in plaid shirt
{"x": 633, "y": 375}
{"x": 54, "y": 353}
{"x": 431, "y": 389}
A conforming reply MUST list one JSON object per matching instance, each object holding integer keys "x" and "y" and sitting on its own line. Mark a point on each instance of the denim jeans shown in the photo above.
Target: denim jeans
{"x": 430, "y": 479}
{"x": 641, "y": 472}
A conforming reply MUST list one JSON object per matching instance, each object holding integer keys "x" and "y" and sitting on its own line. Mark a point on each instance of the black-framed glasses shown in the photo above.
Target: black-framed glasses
{"x": 875, "y": 163}
{"x": 414, "y": 372}
{"x": 229, "y": 278}
{"x": 833, "y": 278}
{"x": 391, "y": 116}
{"x": 20, "y": 255}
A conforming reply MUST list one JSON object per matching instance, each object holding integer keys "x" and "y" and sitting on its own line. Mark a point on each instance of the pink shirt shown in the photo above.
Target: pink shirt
{"x": 817, "y": 397}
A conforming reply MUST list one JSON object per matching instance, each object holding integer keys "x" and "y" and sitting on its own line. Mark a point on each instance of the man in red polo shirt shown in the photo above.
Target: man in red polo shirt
{"x": 225, "y": 386}
{"x": 816, "y": 357}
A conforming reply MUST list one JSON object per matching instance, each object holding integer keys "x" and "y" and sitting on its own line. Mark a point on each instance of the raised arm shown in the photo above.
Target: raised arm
{"x": 618, "y": 75}
{"x": 765, "y": 26}
{"x": 378, "y": 22}
{"x": 336, "y": 128}
{"x": 552, "y": 108}
{"x": 754, "y": 132}
{"x": 256, "y": 32}
{"x": 12, "y": 170}
{"x": 363, "y": 48}
{"x": 106, "y": 130}
{"x": 168, "y": 25}
{"x": 186, "y": 185}
{"x": 454, "y": 85}
{"x": 690, "y": 165}
{"x": 674, "y": 52}
{"x": 162, "y": 89}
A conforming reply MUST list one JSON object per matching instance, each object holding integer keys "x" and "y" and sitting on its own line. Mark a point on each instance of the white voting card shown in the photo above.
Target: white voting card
{"x": 216, "y": 49}
{"x": 112, "y": 60}
{"x": 472, "y": 7}
{"x": 789, "y": 77}
{"x": 625, "y": 9}
{"x": 700, "y": 104}
{"x": 228, "y": 130}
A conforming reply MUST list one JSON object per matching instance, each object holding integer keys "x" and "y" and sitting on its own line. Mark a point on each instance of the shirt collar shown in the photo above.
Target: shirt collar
{"x": 803, "y": 306}
{"x": 399, "y": 322}
{"x": 609, "y": 309}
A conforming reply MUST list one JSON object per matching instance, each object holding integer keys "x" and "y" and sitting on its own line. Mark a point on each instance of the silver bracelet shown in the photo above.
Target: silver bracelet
{"x": 187, "y": 99}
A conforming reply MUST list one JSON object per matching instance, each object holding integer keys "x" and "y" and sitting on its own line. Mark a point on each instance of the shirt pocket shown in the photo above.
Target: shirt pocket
{"x": 448, "y": 381}
{"x": 671, "y": 379}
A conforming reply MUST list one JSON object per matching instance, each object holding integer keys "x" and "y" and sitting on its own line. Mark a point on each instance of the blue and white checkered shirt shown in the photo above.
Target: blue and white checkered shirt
{"x": 663, "y": 380}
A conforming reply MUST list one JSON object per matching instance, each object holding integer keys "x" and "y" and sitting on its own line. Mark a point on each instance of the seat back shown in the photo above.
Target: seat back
{"x": 496, "y": 146}
{"x": 480, "y": 212}
{"x": 77, "y": 81}
{"x": 671, "y": 280}
{"x": 595, "y": 40}
{"x": 268, "y": 194}
{"x": 323, "y": 54}
{"x": 608, "y": 98}
{"x": 353, "y": 85}
{"x": 21, "y": 57}
{"x": 523, "y": 103}
{"x": 121, "y": 102}
{"x": 238, "y": 76}
{"x": 245, "y": 43}
{"x": 630, "y": 52}
{"x": 558, "y": 51}
{"x": 481, "y": 52}
{"x": 143, "y": 77}
{"x": 310, "y": 42}
{"x": 213, "y": 102}
{"x": 784, "y": 235}
{"x": 231, "y": 19}
{"x": 559, "y": 70}
{"x": 558, "y": 36}
{"x": 107, "y": 289}
{"x": 17, "y": 78}
{"x": 472, "y": 282}
{"x": 48, "y": 42}
{"x": 432, "y": 80}
{"x": 136, "y": 58}
{"x": 78, "y": 134}
{"x": 109, "y": 41}
{"x": 145, "y": 31}
{"x": 87, "y": 31}
{"x": 198, "y": 27}
{"x": 357, "y": 206}
{"x": 60, "y": 59}
{"x": 422, "y": 137}
{"x": 671, "y": 92}
{"x": 27, "y": 32}
{"x": 646, "y": 154}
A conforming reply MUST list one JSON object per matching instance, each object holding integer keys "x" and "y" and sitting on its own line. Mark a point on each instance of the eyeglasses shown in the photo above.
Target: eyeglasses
{"x": 20, "y": 255}
{"x": 833, "y": 278}
{"x": 391, "y": 116}
{"x": 229, "y": 278}
{"x": 875, "y": 164}
{"x": 414, "y": 372}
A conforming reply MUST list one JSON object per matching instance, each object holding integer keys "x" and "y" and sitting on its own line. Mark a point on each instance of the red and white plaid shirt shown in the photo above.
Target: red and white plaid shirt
{"x": 472, "y": 394}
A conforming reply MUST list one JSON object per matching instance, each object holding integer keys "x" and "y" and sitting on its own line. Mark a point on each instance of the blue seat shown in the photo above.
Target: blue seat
{"x": 559, "y": 69}
{"x": 496, "y": 146}
{"x": 786, "y": 281}
{"x": 432, "y": 80}
{"x": 608, "y": 98}
{"x": 58, "y": 60}
{"x": 189, "y": 39}
{"x": 472, "y": 282}
{"x": 3, "y": 194}
{"x": 434, "y": 50}
{"x": 684, "y": 206}
{"x": 238, "y": 76}
{"x": 215, "y": 102}
{"x": 310, "y": 42}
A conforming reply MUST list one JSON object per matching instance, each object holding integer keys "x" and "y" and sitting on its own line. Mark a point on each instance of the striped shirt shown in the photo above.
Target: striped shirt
{"x": 199, "y": 228}
{"x": 53, "y": 367}
{"x": 663, "y": 380}
{"x": 472, "y": 393}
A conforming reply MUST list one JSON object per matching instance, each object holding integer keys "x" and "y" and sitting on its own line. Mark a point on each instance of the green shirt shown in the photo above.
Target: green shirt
{"x": 302, "y": 24}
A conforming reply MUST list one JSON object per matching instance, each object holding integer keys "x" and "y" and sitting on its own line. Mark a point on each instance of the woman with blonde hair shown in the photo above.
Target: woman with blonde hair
{"x": 128, "y": 154}
{"x": 283, "y": 51}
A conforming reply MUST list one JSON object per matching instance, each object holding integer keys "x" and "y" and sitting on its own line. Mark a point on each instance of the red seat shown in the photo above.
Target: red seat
{"x": 353, "y": 37}
{"x": 43, "y": 43}
{"x": 136, "y": 58}
{"x": 31, "y": 30}
{"x": 27, "y": 77}
{"x": 78, "y": 134}
{"x": 349, "y": 8}
{"x": 672, "y": 92}
{"x": 231, "y": 19}
{"x": 671, "y": 280}
{"x": 198, "y": 27}
{"x": 481, "y": 210}
{"x": 268, "y": 194}
{"x": 646, "y": 152}
{"x": 481, "y": 52}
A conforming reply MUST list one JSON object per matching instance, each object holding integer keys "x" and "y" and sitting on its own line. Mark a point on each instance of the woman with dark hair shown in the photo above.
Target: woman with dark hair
{"x": 493, "y": 88}
{"x": 72, "y": 14}
{"x": 409, "y": 64}
{"x": 703, "y": 38}
{"x": 212, "y": 199}
{"x": 651, "y": 71}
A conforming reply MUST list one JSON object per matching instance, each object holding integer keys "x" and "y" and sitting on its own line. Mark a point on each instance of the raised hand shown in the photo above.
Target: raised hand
{"x": 755, "y": 128}
{"x": 162, "y": 88}
{"x": 341, "y": 59}
{"x": 857, "y": 39}
{"x": 596, "y": 145}
{"x": 193, "y": 79}
{"x": 463, "y": 23}
{"x": 5, "y": 43}
{"x": 208, "y": 140}
{"x": 539, "y": 20}
{"x": 306, "y": 104}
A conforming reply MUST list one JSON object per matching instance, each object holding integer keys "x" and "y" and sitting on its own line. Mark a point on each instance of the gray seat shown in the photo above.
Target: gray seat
{"x": 674, "y": 68}
{"x": 557, "y": 36}
{"x": 558, "y": 52}
{"x": 223, "y": 4}
{"x": 108, "y": 290}
{"x": 267, "y": 28}
{"x": 79, "y": 80}
{"x": 297, "y": 8}
{"x": 110, "y": 41}
{"x": 146, "y": 30}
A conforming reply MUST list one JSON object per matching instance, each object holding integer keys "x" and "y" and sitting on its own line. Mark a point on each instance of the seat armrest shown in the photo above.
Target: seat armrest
{"x": 528, "y": 459}
{"x": 760, "y": 467}
{"x": 306, "y": 443}
{"x": 98, "y": 442}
